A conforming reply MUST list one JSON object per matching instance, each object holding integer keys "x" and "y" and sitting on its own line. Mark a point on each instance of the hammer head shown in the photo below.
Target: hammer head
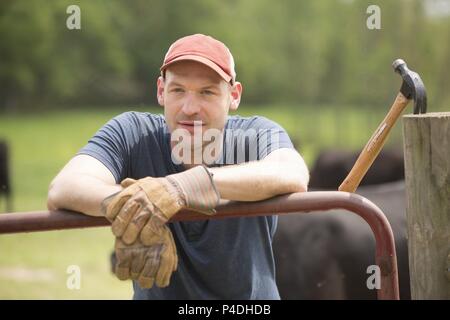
{"x": 412, "y": 86}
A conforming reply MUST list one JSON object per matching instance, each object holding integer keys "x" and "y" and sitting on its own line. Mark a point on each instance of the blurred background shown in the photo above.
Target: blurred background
{"x": 312, "y": 66}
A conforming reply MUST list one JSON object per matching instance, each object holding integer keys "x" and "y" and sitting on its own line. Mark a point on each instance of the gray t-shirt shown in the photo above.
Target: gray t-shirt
{"x": 218, "y": 259}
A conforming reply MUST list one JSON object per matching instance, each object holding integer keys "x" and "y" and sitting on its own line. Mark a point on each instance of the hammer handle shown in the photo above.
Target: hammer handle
{"x": 373, "y": 147}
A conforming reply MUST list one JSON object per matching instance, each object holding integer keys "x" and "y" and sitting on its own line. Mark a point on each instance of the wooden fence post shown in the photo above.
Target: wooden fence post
{"x": 427, "y": 174}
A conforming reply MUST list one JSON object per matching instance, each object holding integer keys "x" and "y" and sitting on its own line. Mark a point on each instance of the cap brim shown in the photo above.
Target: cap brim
{"x": 202, "y": 60}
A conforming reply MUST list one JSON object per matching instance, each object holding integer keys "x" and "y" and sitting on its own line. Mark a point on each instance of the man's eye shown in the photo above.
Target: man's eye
{"x": 177, "y": 90}
{"x": 207, "y": 92}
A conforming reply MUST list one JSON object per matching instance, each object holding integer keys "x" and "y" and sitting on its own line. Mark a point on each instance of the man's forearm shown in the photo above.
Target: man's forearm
{"x": 83, "y": 194}
{"x": 259, "y": 180}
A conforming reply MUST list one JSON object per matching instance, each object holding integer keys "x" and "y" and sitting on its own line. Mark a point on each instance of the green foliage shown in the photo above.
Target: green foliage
{"x": 287, "y": 51}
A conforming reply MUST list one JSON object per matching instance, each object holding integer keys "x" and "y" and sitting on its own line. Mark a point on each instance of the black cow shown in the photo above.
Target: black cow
{"x": 5, "y": 185}
{"x": 325, "y": 255}
{"x": 332, "y": 166}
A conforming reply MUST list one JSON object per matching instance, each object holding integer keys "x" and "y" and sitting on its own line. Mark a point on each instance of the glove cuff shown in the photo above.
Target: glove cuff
{"x": 198, "y": 189}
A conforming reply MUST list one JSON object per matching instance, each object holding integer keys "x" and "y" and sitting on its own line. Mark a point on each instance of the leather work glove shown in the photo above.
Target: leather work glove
{"x": 145, "y": 205}
{"x": 147, "y": 265}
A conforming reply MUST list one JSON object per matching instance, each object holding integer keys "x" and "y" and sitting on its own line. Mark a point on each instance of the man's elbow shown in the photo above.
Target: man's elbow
{"x": 53, "y": 196}
{"x": 299, "y": 183}
{"x": 292, "y": 185}
{"x": 299, "y": 186}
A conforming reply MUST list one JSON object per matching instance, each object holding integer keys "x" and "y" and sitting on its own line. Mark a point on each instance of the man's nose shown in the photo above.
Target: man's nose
{"x": 190, "y": 104}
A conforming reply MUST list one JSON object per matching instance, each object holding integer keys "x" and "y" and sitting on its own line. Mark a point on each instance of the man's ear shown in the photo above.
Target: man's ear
{"x": 160, "y": 91}
{"x": 236, "y": 93}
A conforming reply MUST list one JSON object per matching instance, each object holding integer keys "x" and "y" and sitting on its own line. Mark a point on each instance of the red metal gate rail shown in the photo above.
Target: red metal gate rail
{"x": 385, "y": 255}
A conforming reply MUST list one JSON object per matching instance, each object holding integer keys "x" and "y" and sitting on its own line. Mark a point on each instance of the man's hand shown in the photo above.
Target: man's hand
{"x": 148, "y": 265}
{"x": 145, "y": 205}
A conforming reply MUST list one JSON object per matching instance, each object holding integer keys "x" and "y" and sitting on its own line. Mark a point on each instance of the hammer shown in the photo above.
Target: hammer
{"x": 412, "y": 88}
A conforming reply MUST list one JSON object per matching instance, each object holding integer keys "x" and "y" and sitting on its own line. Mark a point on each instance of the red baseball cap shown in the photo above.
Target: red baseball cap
{"x": 203, "y": 49}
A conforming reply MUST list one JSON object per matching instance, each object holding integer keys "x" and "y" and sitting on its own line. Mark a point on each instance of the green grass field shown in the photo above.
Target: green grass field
{"x": 34, "y": 266}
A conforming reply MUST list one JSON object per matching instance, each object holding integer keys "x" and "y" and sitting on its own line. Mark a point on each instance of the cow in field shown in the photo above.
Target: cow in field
{"x": 332, "y": 166}
{"x": 5, "y": 185}
{"x": 325, "y": 255}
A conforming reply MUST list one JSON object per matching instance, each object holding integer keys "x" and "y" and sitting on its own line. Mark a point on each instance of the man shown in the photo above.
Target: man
{"x": 140, "y": 169}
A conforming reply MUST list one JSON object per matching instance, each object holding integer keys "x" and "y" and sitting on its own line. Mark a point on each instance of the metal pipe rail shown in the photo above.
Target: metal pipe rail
{"x": 385, "y": 255}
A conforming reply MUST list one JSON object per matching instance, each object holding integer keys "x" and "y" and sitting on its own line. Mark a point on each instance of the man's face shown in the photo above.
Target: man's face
{"x": 192, "y": 92}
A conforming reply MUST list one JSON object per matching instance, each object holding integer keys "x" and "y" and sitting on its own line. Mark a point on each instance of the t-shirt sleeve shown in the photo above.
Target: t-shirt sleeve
{"x": 111, "y": 145}
{"x": 270, "y": 136}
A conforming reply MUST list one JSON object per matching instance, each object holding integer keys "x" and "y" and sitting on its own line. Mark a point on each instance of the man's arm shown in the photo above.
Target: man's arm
{"x": 82, "y": 185}
{"x": 282, "y": 171}
{"x": 85, "y": 182}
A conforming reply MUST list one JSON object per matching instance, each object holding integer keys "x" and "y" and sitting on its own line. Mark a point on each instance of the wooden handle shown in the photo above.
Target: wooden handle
{"x": 373, "y": 147}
